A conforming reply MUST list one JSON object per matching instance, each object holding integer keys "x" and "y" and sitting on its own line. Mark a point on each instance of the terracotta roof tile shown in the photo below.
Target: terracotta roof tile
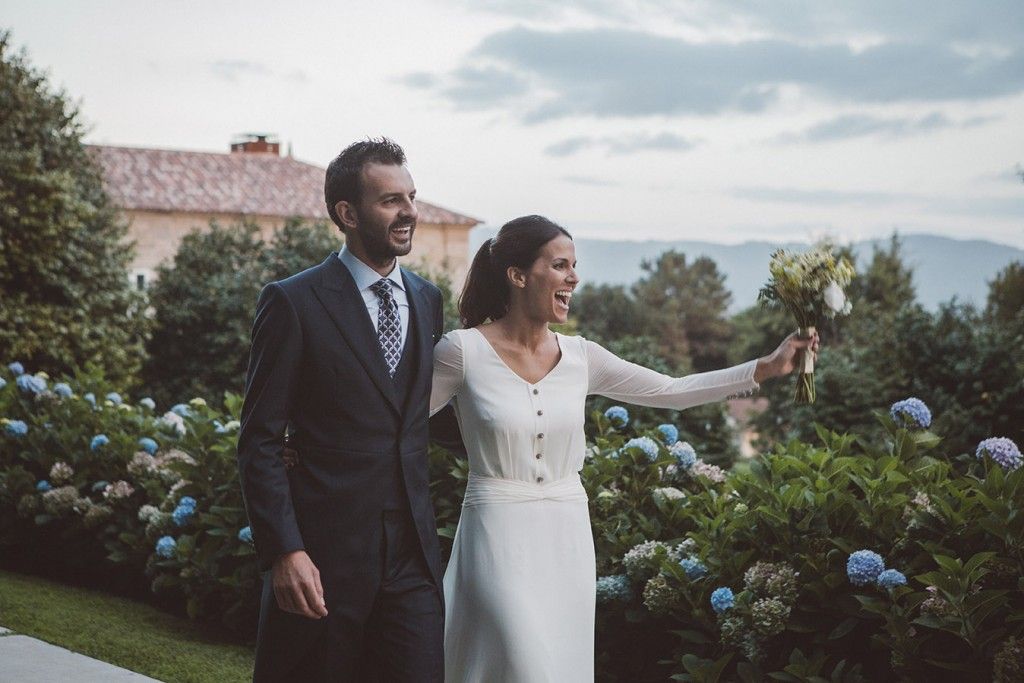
{"x": 239, "y": 183}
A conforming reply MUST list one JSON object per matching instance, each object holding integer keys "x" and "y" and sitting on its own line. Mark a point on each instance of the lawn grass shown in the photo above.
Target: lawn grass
{"x": 129, "y": 634}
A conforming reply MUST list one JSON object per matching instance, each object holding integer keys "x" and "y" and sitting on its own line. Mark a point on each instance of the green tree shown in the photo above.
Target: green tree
{"x": 1006, "y": 295}
{"x": 67, "y": 299}
{"x": 605, "y": 313}
{"x": 204, "y": 302}
{"x": 684, "y": 306}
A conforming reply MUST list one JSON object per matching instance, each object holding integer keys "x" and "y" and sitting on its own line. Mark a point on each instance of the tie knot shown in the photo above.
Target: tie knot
{"x": 382, "y": 288}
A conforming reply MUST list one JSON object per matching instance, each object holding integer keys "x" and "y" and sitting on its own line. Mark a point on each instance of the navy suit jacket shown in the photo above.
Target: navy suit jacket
{"x": 317, "y": 370}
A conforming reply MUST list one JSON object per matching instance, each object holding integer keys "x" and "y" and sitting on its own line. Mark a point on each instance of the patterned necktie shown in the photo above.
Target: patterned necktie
{"x": 389, "y": 328}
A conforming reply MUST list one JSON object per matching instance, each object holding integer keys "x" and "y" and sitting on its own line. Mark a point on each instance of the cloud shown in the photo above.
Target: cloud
{"x": 862, "y": 125}
{"x": 233, "y": 70}
{"x": 590, "y": 180}
{"x": 790, "y": 195}
{"x": 1000, "y": 23}
{"x": 987, "y": 206}
{"x": 623, "y": 144}
{"x": 628, "y": 73}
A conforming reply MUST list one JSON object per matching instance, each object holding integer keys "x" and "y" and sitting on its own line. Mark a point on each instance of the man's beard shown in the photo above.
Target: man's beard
{"x": 377, "y": 244}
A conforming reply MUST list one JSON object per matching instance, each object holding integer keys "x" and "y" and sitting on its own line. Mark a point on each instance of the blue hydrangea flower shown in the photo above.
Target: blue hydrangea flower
{"x": 911, "y": 413}
{"x": 42, "y": 485}
{"x": 722, "y": 600}
{"x": 16, "y": 427}
{"x": 147, "y": 402}
{"x": 864, "y": 566}
{"x": 218, "y": 427}
{"x": 187, "y": 501}
{"x": 646, "y": 444}
{"x": 31, "y": 384}
{"x": 618, "y": 416}
{"x": 62, "y": 389}
{"x": 90, "y": 398}
{"x": 684, "y": 454}
{"x": 114, "y": 398}
{"x": 182, "y": 514}
{"x": 245, "y": 534}
{"x": 612, "y": 588}
{"x": 98, "y": 442}
{"x": 669, "y": 433}
{"x": 181, "y": 409}
{"x": 16, "y": 368}
{"x": 1004, "y": 451}
{"x": 166, "y": 546}
{"x": 100, "y": 485}
{"x": 149, "y": 445}
{"x": 891, "y": 578}
{"x": 694, "y": 569}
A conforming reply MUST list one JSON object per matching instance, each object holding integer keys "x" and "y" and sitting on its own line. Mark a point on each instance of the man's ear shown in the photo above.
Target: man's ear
{"x": 516, "y": 276}
{"x": 347, "y": 214}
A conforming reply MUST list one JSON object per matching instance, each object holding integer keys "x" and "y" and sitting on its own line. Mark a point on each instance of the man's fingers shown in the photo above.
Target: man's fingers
{"x": 311, "y": 600}
{"x": 319, "y": 586}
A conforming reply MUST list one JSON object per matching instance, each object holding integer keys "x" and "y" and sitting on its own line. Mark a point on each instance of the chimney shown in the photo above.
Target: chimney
{"x": 255, "y": 143}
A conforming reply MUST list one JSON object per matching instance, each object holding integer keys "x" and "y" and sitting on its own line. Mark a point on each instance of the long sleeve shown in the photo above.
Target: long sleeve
{"x": 449, "y": 371}
{"x": 618, "y": 379}
{"x": 269, "y": 392}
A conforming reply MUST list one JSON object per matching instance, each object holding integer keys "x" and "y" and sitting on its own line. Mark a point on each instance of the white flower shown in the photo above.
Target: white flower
{"x": 667, "y": 493}
{"x": 174, "y": 420}
{"x": 834, "y": 297}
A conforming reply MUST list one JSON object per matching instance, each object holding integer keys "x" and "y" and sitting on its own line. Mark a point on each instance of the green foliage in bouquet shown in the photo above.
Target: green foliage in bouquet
{"x": 812, "y": 286}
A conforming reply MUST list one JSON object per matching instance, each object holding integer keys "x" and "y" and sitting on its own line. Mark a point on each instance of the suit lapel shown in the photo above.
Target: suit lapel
{"x": 419, "y": 311}
{"x": 338, "y": 294}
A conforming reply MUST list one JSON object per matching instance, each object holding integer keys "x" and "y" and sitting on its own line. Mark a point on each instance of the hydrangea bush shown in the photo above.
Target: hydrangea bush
{"x": 839, "y": 560}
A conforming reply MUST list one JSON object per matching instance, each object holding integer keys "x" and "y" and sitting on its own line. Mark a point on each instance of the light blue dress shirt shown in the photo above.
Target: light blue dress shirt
{"x": 365, "y": 277}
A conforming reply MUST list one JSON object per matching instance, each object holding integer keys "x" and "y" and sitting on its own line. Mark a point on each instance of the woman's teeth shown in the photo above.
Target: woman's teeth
{"x": 563, "y": 297}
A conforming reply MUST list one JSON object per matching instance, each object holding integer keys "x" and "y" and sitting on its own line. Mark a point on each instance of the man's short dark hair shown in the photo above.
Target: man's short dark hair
{"x": 344, "y": 174}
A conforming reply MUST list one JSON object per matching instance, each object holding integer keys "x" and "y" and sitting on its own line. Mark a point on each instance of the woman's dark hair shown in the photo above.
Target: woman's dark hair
{"x": 486, "y": 294}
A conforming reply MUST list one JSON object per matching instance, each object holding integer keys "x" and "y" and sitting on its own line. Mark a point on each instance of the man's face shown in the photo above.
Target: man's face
{"x": 385, "y": 218}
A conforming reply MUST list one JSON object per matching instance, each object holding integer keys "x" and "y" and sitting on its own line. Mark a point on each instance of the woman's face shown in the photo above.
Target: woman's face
{"x": 551, "y": 280}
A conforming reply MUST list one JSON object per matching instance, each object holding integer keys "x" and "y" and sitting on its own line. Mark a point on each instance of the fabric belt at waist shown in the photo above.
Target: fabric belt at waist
{"x": 482, "y": 490}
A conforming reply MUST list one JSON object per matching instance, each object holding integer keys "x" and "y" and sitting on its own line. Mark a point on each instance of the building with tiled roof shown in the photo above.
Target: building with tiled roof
{"x": 165, "y": 194}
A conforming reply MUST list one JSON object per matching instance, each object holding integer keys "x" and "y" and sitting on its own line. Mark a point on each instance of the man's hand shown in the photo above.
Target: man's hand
{"x": 297, "y": 585}
{"x": 783, "y": 360}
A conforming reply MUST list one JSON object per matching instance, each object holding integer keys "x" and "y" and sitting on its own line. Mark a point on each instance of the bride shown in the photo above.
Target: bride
{"x": 520, "y": 585}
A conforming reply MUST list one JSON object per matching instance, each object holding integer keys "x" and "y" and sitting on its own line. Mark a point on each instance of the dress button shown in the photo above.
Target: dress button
{"x": 538, "y": 456}
{"x": 540, "y": 436}
{"x": 540, "y": 412}
{"x": 535, "y": 392}
{"x": 540, "y": 479}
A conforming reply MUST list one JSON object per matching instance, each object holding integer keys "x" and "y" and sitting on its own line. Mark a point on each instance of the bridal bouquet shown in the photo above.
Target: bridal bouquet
{"x": 812, "y": 286}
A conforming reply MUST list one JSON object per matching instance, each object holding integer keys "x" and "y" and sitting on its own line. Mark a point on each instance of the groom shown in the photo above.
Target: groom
{"x": 341, "y": 360}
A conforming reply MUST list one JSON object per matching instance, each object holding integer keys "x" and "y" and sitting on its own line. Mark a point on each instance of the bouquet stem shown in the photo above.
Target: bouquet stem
{"x": 805, "y": 382}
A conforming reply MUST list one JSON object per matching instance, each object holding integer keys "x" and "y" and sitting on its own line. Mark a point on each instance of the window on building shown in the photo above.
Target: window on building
{"x": 140, "y": 282}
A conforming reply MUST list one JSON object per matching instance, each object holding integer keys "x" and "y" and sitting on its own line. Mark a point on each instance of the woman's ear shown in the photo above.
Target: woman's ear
{"x": 516, "y": 276}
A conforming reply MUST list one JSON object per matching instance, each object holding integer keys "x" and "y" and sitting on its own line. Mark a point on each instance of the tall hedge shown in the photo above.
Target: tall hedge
{"x": 64, "y": 286}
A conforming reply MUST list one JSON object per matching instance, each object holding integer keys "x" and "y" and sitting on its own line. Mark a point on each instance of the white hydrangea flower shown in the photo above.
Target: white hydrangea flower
{"x": 175, "y": 421}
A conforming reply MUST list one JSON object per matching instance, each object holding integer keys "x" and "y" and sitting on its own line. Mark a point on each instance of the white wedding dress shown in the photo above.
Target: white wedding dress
{"x": 520, "y": 585}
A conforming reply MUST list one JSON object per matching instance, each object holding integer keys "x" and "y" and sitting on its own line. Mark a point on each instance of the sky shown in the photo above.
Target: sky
{"x": 715, "y": 120}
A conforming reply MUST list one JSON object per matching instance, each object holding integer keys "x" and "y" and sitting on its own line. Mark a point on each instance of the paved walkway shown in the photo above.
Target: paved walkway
{"x": 28, "y": 660}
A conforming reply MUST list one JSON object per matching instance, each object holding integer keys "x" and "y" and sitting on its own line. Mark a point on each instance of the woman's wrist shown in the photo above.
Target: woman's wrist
{"x": 763, "y": 370}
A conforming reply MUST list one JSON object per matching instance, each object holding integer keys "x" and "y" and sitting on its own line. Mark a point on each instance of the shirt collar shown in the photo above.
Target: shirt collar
{"x": 364, "y": 275}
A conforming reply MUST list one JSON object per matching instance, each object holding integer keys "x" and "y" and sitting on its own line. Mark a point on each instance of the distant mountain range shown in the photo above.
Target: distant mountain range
{"x": 943, "y": 268}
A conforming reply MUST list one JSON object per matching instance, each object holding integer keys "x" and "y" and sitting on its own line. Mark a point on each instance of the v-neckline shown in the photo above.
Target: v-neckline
{"x": 561, "y": 357}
